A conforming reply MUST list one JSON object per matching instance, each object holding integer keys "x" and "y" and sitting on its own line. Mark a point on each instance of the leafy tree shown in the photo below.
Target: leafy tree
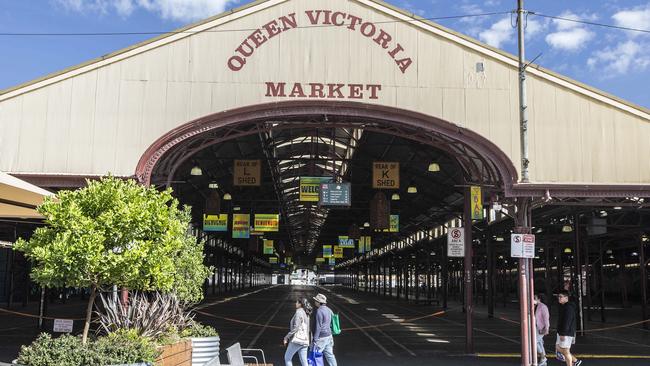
{"x": 116, "y": 232}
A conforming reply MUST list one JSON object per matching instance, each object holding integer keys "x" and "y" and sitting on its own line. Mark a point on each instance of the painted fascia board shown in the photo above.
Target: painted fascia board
{"x": 378, "y": 5}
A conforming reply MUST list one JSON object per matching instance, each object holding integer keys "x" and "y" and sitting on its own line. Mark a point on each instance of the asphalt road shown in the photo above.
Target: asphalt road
{"x": 378, "y": 331}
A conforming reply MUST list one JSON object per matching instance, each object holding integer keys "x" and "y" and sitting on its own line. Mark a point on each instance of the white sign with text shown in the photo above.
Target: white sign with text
{"x": 456, "y": 242}
{"x": 522, "y": 246}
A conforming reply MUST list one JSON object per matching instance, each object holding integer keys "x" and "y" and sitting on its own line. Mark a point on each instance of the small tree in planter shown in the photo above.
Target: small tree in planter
{"x": 116, "y": 232}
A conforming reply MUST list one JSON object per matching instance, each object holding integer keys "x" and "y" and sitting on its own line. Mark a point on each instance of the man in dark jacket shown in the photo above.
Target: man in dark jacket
{"x": 566, "y": 329}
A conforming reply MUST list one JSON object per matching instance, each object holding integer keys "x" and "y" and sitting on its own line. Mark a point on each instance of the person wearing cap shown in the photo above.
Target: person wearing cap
{"x": 323, "y": 340}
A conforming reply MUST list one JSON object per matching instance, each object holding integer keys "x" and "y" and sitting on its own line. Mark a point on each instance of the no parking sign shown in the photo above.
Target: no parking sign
{"x": 456, "y": 242}
{"x": 522, "y": 246}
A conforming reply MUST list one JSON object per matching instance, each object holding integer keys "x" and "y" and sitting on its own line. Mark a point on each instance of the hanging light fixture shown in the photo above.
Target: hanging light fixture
{"x": 227, "y": 197}
{"x": 196, "y": 170}
{"x": 412, "y": 188}
{"x": 567, "y": 250}
{"x": 434, "y": 167}
{"x": 213, "y": 185}
{"x": 366, "y": 224}
{"x": 395, "y": 197}
{"x": 567, "y": 228}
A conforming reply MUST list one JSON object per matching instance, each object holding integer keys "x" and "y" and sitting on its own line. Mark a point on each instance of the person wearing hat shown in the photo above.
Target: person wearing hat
{"x": 323, "y": 340}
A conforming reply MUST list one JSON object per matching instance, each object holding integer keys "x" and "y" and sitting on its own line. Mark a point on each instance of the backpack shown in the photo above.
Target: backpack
{"x": 336, "y": 326}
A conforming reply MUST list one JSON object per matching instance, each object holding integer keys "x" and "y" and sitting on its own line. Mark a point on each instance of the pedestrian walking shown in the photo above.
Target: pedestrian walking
{"x": 297, "y": 340}
{"x": 566, "y": 329}
{"x": 542, "y": 322}
{"x": 323, "y": 339}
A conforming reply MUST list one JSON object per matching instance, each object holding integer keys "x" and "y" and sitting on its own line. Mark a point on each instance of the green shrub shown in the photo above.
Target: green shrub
{"x": 121, "y": 347}
{"x": 198, "y": 330}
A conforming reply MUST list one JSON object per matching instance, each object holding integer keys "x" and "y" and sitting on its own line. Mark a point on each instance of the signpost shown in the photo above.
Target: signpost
{"x": 522, "y": 246}
{"x": 310, "y": 188}
{"x": 335, "y": 194}
{"x": 456, "y": 242}
{"x": 385, "y": 175}
{"x": 241, "y": 226}
{"x": 215, "y": 222}
{"x": 247, "y": 173}
{"x": 267, "y": 222}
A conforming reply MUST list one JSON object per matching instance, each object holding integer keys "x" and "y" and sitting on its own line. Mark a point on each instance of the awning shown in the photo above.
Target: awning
{"x": 18, "y": 199}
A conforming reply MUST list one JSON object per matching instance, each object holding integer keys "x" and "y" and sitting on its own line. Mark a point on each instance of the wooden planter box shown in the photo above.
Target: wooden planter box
{"x": 177, "y": 354}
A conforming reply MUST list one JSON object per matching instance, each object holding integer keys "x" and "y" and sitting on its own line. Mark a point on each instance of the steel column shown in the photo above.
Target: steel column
{"x": 467, "y": 266}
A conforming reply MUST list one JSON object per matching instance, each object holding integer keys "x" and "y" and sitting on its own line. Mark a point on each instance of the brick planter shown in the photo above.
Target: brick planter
{"x": 177, "y": 354}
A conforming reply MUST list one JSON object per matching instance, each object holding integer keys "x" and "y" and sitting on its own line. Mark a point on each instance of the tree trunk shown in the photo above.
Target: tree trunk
{"x": 89, "y": 311}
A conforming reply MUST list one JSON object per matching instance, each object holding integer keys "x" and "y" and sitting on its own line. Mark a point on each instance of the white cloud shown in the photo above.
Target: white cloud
{"x": 179, "y": 10}
{"x": 637, "y": 18}
{"x": 570, "y": 36}
{"x": 625, "y": 57}
{"x": 499, "y": 33}
{"x": 503, "y": 32}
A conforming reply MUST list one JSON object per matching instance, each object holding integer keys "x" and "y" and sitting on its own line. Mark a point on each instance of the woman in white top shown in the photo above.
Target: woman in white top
{"x": 297, "y": 340}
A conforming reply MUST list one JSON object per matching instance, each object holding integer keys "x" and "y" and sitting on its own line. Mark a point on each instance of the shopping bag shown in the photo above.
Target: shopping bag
{"x": 315, "y": 358}
{"x": 336, "y": 326}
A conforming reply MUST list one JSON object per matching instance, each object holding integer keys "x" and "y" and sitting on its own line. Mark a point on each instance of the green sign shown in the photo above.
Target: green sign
{"x": 346, "y": 242}
{"x": 268, "y": 247}
{"x": 335, "y": 194}
{"x": 332, "y": 261}
{"x": 327, "y": 251}
{"x": 215, "y": 222}
{"x": 241, "y": 226}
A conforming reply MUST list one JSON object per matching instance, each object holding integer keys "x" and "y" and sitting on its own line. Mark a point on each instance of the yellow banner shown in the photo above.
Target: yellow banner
{"x": 268, "y": 247}
{"x": 310, "y": 188}
{"x": 267, "y": 222}
{"x": 476, "y": 197}
{"x": 320, "y": 260}
{"x": 241, "y": 226}
{"x": 215, "y": 222}
{"x": 338, "y": 251}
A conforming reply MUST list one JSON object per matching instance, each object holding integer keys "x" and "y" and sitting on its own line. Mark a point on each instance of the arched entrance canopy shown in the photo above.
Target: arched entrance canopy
{"x": 482, "y": 161}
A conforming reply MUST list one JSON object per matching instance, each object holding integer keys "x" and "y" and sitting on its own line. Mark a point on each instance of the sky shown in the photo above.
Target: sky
{"x": 615, "y": 61}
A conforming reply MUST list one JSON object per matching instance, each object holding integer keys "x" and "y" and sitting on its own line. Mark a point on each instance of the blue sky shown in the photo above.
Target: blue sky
{"x": 615, "y": 61}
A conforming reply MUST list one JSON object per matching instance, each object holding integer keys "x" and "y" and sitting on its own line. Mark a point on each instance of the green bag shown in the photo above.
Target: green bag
{"x": 336, "y": 327}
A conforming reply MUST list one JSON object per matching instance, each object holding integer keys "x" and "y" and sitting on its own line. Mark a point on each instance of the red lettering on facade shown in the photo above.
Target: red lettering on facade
{"x": 297, "y": 91}
{"x": 335, "y": 88}
{"x": 383, "y": 38}
{"x": 275, "y": 90}
{"x": 373, "y": 88}
{"x": 354, "y": 21}
{"x": 397, "y": 49}
{"x": 338, "y": 15}
{"x": 313, "y": 18}
{"x": 316, "y": 90}
{"x": 257, "y": 38}
{"x": 355, "y": 91}
{"x": 368, "y": 29}
{"x": 272, "y": 29}
{"x": 404, "y": 64}
{"x": 235, "y": 63}
{"x": 245, "y": 49}
{"x": 289, "y": 21}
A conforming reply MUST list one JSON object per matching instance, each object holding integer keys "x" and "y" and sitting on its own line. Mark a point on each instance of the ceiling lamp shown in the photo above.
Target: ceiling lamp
{"x": 434, "y": 167}
{"x": 227, "y": 197}
{"x": 213, "y": 185}
{"x": 196, "y": 170}
{"x": 412, "y": 189}
{"x": 603, "y": 213}
{"x": 395, "y": 197}
{"x": 618, "y": 208}
{"x": 567, "y": 250}
{"x": 567, "y": 228}
{"x": 366, "y": 224}
{"x": 499, "y": 238}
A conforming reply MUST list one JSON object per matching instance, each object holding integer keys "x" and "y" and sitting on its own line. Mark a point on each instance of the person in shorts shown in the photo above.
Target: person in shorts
{"x": 566, "y": 329}
{"x": 542, "y": 322}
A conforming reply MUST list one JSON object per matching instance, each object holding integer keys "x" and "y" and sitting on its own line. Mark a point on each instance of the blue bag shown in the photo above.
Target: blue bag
{"x": 315, "y": 358}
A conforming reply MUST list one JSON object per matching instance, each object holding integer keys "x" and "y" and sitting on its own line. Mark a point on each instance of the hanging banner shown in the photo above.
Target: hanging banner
{"x": 268, "y": 247}
{"x": 266, "y": 222}
{"x": 456, "y": 242}
{"x": 310, "y": 188}
{"x": 385, "y": 175}
{"x": 346, "y": 242}
{"x": 241, "y": 226}
{"x": 215, "y": 222}
{"x": 476, "y": 198}
{"x": 338, "y": 252}
{"x": 247, "y": 172}
{"x": 288, "y": 260}
{"x": 394, "y": 224}
{"x": 327, "y": 251}
{"x": 332, "y": 261}
{"x": 273, "y": 260}
{"x": 368, "y": 244}
{"x": 320, "y": 260}
{"x": 362, "y": 244}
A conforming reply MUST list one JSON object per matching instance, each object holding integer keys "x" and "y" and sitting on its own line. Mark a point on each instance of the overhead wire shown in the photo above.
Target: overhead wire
{"x": 83, "y": 34}
{"x": 589, "y": 22}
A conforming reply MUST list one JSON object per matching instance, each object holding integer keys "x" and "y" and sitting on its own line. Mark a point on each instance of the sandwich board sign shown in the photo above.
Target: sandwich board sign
{"x": 456, "y": 242}
{"x": 522, "y": 246}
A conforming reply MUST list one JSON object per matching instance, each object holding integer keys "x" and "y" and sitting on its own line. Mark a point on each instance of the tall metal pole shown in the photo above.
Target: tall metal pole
{"x": 523, "y": 107}
{"x": 469, "y": 280}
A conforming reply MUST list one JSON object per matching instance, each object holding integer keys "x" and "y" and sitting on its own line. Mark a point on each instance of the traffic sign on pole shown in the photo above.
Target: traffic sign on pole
{"x": 522, "y": 246}
{"x": 456, "y": 242}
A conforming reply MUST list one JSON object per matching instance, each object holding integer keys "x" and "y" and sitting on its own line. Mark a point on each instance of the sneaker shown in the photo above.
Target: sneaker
{"x": 559, "y": 356}
{"x": 577, "y": 363}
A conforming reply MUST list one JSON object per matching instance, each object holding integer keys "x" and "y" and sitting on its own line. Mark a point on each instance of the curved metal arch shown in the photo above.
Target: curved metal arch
{"x": 482, "y": 161}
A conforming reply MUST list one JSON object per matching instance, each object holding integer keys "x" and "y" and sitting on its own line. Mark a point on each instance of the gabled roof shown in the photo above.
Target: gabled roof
{"x": 378, "y": 5}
